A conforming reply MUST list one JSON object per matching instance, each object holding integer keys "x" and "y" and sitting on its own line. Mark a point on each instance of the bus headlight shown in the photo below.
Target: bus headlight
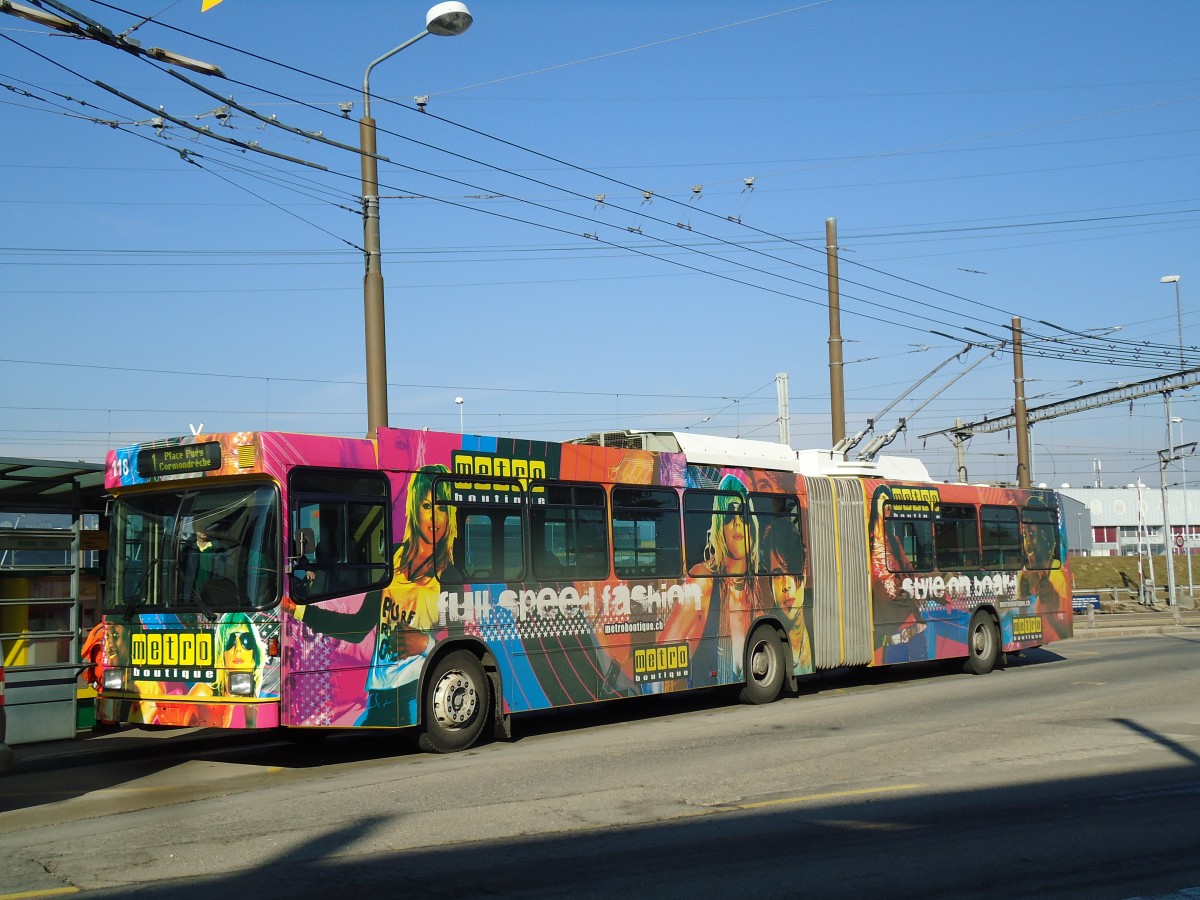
{"x": 241, "y": 683}
{"x": 114, "y": 679}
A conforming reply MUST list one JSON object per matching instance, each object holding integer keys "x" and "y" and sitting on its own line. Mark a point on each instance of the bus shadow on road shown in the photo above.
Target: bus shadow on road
{"x": 890, "y": 840}
{"x": 665, "y": 705}
{"x": 864, "y": 676}
{"x": 113, "y": 760}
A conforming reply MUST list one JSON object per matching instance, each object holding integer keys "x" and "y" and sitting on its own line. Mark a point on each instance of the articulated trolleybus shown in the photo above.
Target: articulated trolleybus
{"x": 439, "y": 583}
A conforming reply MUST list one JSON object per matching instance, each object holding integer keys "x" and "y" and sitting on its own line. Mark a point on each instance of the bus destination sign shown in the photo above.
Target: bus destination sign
{"x": 180, "y": 459}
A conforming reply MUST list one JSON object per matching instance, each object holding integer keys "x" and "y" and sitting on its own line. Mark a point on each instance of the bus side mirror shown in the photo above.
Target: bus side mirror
{"x": 305, "y": 542}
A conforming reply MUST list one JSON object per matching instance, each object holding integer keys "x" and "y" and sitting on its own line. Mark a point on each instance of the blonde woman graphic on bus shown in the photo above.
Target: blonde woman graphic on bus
{"x": 716, "y": 628}
{"x": 404, "y": 614}
{"x": 239, "y": 650}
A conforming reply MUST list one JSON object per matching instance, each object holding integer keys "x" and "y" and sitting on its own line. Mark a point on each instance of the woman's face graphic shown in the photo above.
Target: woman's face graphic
{"x": 734, "y": 532}
{"x": 785, "y": 586}
{"x": 1037, "y": 555}
{"x": 431, "y": 519}
{"x": 239, "y": 650}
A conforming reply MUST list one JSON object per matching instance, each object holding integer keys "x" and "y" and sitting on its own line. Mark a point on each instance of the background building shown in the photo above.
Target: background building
{"x": 1111, "y": 521}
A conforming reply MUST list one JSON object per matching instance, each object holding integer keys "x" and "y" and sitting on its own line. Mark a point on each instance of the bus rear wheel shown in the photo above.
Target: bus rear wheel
{"x": 983, "y": 644}
{"x": 457, "y": 701}
{"x": 764, "y": 666}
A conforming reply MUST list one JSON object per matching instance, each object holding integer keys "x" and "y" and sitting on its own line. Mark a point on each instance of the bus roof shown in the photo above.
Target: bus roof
{"x": 711, "y": 450}
{"x": 249, "y": 451}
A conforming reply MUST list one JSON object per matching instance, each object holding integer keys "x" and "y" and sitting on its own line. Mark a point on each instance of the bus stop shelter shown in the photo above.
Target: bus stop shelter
{"x": 52, "y": 542}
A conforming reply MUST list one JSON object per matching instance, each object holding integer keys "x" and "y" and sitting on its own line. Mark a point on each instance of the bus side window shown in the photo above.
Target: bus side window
{"x": 1001, "y": 537}
{"x": 781, "y": 547}
{"x": 481, "y": 539}
{"x": 705, "y": 513}
{"x": 347, "y": 512}
{"x": 1039, "y": 533}
{"x": 646, "y": 532}
{"x": 909, "y": 545}
{"x": 957, "y": 537}
{"x": 567, "y": 532}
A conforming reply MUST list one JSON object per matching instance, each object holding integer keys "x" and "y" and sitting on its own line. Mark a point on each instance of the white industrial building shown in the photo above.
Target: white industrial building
{"x": 1112, "y": 521}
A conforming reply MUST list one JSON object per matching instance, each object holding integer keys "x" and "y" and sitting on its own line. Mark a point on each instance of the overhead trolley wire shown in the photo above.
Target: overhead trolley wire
{"x": 1072, "y": 347}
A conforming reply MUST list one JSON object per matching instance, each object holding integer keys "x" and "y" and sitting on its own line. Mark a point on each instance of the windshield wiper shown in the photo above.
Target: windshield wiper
{"x": 137, "y": 597}
{"x": 131, "y": 607}
{"x": 209, "y": 614}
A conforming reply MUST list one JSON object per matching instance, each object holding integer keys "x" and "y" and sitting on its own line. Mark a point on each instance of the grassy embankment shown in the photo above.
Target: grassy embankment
{"x": 1104, "y": 573}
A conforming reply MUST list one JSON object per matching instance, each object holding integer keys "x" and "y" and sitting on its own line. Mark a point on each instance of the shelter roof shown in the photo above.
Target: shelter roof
{"x": 50, "y": 484}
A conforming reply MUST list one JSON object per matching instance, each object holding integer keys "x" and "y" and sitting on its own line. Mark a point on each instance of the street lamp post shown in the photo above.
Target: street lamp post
{"x": 445, "y": 19}
{"x": 459, "y": 401}
{"x": 1174, "y": 279}
{"x": 1187, "y": 527}
{"x": 1079, "y": 532}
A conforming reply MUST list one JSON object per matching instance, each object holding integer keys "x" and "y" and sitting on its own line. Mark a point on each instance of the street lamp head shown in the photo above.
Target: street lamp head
{"x": 448, "y": 19}
{"x": 458, "y": 400}
{"x": 1169, "y": 279}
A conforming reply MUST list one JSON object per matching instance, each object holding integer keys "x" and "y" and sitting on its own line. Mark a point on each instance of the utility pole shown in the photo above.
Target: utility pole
{"x": 837, "y": 387}
{"x": 1164, "y": 459}
{"x": 785, "y": 419}
{"x": 1187, "y": 509}
{"x": 1024, "y": 475}
{"x": 960, "y": 453}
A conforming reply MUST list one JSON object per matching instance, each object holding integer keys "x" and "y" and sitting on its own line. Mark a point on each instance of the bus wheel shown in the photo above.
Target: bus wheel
{"x": 983, "y": 644}
{"x": 764, "y": 666}
{"x": 456, "y": 704}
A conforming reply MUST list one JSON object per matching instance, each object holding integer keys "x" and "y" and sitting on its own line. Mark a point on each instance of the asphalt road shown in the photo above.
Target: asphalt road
{"x": 1072, "y": 773}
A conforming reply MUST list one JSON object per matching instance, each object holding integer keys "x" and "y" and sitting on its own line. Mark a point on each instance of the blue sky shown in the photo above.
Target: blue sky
{"x": 982, "y": 160}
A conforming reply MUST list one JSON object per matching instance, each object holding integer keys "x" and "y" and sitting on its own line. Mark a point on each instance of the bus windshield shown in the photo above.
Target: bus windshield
{"x": 212, "y": 550}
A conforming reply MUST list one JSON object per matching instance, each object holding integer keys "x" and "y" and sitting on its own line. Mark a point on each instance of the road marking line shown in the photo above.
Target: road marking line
{"x": 830, "y": 795}
{"x": 51, "y": 892}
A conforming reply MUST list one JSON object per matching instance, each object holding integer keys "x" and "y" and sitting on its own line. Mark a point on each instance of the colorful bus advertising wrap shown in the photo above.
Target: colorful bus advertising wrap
{"x": 647, "y": 625}
{"x": 182, "y": 670}
{"x": 929, "y": 573}
{"x": 265, "y": 578}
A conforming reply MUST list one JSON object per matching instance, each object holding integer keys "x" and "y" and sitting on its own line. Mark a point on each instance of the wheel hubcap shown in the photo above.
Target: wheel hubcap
{"x": 762, "y": 662}
{"x": 982, "y": 640}
{"x": 454, "y": 700}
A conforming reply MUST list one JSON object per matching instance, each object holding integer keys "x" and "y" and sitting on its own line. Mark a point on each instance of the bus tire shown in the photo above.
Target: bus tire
{"x": 764, "y": 667}
{"x": 983, "y": 644}
{"x": 457, "y": 698}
